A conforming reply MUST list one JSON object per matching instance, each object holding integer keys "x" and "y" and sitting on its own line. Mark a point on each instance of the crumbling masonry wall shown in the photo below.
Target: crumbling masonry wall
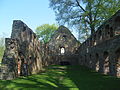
{"x": 25, "y": 55}
{"x": 22, "y": 55}
{"x": 63, "y": 39}
{"x": 101, "y": 51}
{"x": 51, "y": 51}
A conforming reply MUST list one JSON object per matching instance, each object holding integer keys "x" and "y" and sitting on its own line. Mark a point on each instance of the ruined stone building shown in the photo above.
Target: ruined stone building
{"x": 101, "y": 51}
{"x": 25, "y": 55}
{"x": 22, "y": 55}
{"x": 63, "y": 46}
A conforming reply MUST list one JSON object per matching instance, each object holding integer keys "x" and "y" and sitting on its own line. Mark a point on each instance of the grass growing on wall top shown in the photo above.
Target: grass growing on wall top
{"x": 63, "y": 78}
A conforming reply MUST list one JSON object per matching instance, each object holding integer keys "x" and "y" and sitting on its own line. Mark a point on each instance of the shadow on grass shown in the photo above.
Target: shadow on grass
{"x": 86, "y": 79}
{"x": 48, "y": 80}
{"x": 63, "y": 78}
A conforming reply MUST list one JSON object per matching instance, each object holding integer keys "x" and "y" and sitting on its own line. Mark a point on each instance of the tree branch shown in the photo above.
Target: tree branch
{"x": 97, "y": 10}
{"x": 80, "y": 6}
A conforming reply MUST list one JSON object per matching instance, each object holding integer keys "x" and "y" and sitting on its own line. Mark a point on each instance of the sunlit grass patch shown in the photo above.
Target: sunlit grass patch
{"x": 63, "y": 78}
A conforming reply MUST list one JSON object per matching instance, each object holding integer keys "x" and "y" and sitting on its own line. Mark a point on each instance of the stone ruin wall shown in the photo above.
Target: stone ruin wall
{"x": 25, "y": 55}
{"x": 22, "y": 55}
{"x": 63, "y": 39}
{"x": 51, "y": 51}
{"x": 101, "y": 51}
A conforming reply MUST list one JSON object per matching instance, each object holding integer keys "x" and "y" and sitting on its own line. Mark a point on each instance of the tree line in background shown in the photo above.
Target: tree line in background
{"x": 84, "y": 15}
{"x": 2, "y": 47}
{"x": 45, "y": 32}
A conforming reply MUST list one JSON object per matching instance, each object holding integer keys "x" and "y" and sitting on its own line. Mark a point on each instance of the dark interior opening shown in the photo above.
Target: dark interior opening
{"x": 106, "y": 62}
{"x": 105, "y": 54}
{"x": 24, "y": 28}
{"x": 30, "y": 32}
{"x": 65, "y": 63}
{"x": 107, "y": 27}
{"x": 99, "y": 34}
{"x": 97, "y": 67}
{"x": 117, "y": 19}
{"x": 64, "y": 36}
{"x": 111, "y": 32}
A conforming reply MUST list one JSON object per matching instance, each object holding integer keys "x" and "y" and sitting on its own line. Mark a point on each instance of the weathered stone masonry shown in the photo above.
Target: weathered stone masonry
{"x": 63, "y": 46}
{"x": 22, "y": 55}
{"x": 101, "y": 51}
{"x": 25, "y": 55}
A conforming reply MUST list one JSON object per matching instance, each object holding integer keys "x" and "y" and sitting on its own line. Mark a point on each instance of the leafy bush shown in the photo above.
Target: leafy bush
{"x": 2, "y": 48}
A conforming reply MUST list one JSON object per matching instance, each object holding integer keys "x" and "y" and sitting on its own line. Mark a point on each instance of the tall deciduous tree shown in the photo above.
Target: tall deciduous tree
{"x": 84, "y": 15}
{"x": 45, "y": 31}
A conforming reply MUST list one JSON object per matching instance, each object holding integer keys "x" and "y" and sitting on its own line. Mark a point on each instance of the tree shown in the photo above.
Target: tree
{"x": 84, "y": 15}
{"x": 2, "y": 47}
{"x": 45, "y": 31}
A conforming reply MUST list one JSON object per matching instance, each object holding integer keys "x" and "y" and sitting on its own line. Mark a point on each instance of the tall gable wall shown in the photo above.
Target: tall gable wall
{"x": 63, "y": 46}
{"x": 22, "y": 55}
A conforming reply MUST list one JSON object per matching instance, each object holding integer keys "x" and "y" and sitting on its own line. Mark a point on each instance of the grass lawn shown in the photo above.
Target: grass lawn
{"x": 63, "y": 78}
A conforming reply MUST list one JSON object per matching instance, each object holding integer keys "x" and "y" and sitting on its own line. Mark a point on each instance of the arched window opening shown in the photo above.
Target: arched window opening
{"x": 19, "y": 67}
{"x": 62, "y": 50}
{"x": 97, "y": 62}
{"x": 107, "y": 27}
{"x": 117, "y": 53}
{"x": 100, "y": 35}
{"x": 94, "y": 40}
{"x": 111, "y": 32}
{"x": 117, "y": 19}
{"x": 117, "y": 24}
{"x": 107, "y": 31}
{"x": 105, "y": 54}
{"x": 90, "y": 56}
{"x": 24, "y": 29}
{"x": 85, "y": 59}
{"x": 106, "y": 62}
{"x": 30, "y": 32}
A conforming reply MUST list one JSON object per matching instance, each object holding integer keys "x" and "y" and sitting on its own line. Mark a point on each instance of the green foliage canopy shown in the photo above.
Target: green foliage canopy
{"x": 84, "y": 15}
{"x": 45, "y": 31}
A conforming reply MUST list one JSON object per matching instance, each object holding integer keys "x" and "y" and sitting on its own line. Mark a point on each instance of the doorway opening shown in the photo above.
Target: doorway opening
{"x": 65, "y": 63}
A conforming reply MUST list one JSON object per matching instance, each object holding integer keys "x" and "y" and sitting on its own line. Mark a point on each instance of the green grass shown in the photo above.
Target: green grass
{"x": 63, "y": 78}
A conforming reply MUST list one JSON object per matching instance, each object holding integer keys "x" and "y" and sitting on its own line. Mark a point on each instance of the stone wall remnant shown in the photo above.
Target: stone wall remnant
{"x": 63, "y": 46}
{"x": 25, "y": 55}
{"x": 22, "y": 55}
{"x": 101, "y": 50}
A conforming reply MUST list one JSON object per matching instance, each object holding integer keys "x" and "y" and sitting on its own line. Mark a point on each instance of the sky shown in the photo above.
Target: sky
{"x": 32, "y": 12}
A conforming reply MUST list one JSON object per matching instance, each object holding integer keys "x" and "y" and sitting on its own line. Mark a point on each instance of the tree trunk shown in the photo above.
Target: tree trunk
{"x": 92, "y": 29}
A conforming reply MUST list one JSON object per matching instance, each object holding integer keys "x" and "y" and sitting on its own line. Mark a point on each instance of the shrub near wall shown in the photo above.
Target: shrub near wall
{"x": 1, "y": 48}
